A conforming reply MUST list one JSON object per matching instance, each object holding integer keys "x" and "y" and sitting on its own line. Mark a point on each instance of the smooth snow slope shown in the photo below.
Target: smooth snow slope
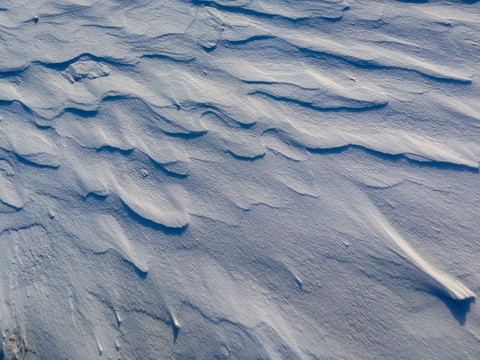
{"x": 241, "y": 179}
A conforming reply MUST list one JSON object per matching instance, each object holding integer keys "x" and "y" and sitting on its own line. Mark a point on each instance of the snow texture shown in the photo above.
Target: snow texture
{"x": 241, "y": 179}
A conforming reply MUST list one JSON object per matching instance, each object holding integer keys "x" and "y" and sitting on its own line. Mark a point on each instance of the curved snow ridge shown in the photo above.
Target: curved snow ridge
{"x": 310, "y": 98}
{"x": 169, "y": 161}
{"x": 179, "y": 122}
{"x": 105, "y": 233}
{"x": 12, "y": 72}
{"x": 283, "y": 9}
{"x": 168, "y": 154}
{"x": 71, "y": 62}
{"x": 31, "y": 147}
{"x": 85, "y": 86}
{"x": 304, "y": 84}
{"x": 66, "y": 60}
{"x": 59, "y": 94}
{"x": 171, "y": 156}
{"x": 147, "y": 206}
{"x": 364, "y": 56}
{"x": 223, "y": 113}
{"x": 410, "y": 146}
{"x": 369, "y": 216}
{"x": 10, "y": 195}
{"x": 462, "y": 111}
{"x": 174, "y": 47}
{"x": 62, "y": 35}
{"x": 61, "y": 64}
{"x": 152, "y": 213}
{"x": 170, "y": 119}
{"x": 359, "y": 54}
{"x": 166, "y": 149}
{"x": 451, "y": 286}
{"x": 236, "y": 141}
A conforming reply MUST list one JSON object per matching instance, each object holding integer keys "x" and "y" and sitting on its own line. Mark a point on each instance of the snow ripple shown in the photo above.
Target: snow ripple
{"x": 129, "y": 130}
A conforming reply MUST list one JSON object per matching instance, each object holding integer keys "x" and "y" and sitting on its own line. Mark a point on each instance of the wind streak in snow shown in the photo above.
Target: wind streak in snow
{"x": 373, "y": 219}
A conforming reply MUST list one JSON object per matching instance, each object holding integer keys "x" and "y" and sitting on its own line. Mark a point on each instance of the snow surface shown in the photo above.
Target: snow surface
{"x": 242, "y": 179}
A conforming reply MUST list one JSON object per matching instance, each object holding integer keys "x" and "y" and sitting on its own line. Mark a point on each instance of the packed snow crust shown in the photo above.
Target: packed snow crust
{"x": 241, "y": 179}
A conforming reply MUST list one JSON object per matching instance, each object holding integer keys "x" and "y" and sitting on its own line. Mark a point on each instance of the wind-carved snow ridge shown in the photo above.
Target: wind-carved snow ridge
{"x": 447, "y": 284}
{"x": 239, "y": 179}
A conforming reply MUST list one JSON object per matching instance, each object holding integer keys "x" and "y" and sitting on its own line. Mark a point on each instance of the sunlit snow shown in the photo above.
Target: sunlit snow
{"x": 241, "y": 179}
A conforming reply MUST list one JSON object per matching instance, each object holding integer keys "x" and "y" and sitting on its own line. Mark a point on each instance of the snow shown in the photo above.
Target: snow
{"x": 241, "y": 179}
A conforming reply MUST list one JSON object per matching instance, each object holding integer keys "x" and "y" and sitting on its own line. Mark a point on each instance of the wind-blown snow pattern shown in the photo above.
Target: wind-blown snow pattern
{"x": 241, "y": 179}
